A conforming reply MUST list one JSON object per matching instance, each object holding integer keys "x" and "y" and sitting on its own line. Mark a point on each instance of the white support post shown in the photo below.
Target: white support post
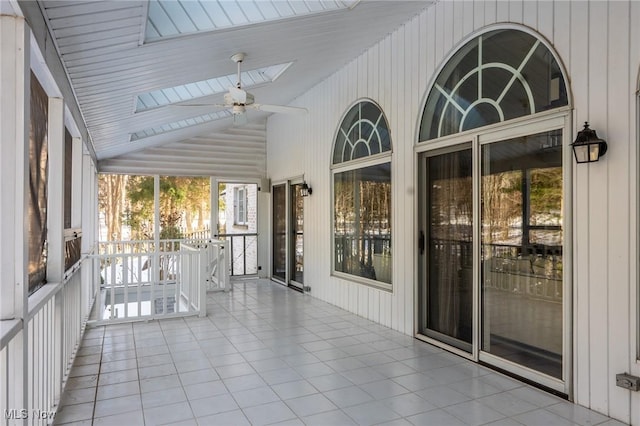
{"x": 58, "y": 343}
{"x": 214, "y": 197}
{"x": 15, "y": 92}
{"x": 156, "y": 252}
{"x": 55, "y": 230}
{"x": 14, "y": 157}
{"x": 226, "y": 262}
{"x": 87, "y": 204}
{"x": 77, "y": 178}
{"x": 55, "y": 189}
{"x": 156, "y": 209}
{"x": 203, "y": 261}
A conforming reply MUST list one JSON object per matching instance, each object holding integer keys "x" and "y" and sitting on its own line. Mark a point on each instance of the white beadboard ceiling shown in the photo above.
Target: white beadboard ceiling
{"x": 102, "y": 46}
{"x": 173, "y": 18}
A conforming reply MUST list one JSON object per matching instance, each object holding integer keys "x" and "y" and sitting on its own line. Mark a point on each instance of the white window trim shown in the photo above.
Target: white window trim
{"x": 240, "y": 197}
{"x": 360, "y": 163}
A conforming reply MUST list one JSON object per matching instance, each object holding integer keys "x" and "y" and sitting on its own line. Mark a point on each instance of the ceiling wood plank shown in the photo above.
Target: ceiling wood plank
{"x": 127, "y": 10}
{"x": 88, "y": 9}
{"x": 69, "y": 42}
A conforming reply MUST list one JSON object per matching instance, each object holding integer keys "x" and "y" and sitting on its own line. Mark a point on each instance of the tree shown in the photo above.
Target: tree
{"x": 111, "y": 201}
{"x": 139, "y": 213}
{"x": 129, "y": 200}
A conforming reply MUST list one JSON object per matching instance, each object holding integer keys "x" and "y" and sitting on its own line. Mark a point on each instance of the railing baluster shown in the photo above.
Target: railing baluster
{"x": 163, "y": 278}
{"x": 244, "y": 254}
{"x": 139, "y": 286}
{"x": 179, "y": 287}
{"x": 125, "y": 285}
{"x": 153, "y": 274}
{"x": 178, "y": 266}
{"x": 112, "y": 290}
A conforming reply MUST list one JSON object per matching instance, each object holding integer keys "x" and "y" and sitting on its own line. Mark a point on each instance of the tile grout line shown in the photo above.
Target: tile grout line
{"x": 95, "y": 397}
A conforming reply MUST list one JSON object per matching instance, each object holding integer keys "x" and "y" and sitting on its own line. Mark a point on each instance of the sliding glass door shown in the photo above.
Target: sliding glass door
{"x": 279, "y": 226}
{"x": 493, "y": 267}
{"x": 446, "y": 308}
{"x": 288, "y": 234}
{"x": 296, "y": 242}
{"x": 522, "y": 246}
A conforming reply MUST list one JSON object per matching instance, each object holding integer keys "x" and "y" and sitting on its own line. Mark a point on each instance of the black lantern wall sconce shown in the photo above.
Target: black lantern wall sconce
{"x": 305, "y": 190}
{"x": 588, "y": 148}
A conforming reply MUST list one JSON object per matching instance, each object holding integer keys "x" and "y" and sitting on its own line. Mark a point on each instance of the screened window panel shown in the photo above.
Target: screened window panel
{"x": 68, "y": 169}
{"x": 72, "y": 252}
{"x": 38, "y": 177}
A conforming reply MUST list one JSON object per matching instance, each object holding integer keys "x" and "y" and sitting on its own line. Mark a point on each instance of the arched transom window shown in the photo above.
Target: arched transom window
{"x": 363, "y": 132}
{"x": 498, "y": 76}
{"x": 362, "y": 197}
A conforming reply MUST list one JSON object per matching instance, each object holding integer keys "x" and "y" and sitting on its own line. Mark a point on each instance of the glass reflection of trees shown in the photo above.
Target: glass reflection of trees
{"x": 363, "y": 222}
{"x": 522, "y": 219}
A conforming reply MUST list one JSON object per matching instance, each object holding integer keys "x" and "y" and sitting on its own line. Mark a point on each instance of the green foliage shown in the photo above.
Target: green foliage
{"x": 546, "y": 191}
{"x": 180, "y": 199}
{"x": 139, "y": 212}
{"x": 170, "y": 233}
{"x": 222, "y": 204}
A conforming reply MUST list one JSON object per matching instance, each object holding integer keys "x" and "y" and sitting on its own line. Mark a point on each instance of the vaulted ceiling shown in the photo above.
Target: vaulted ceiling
{"x": 117, "y": 53}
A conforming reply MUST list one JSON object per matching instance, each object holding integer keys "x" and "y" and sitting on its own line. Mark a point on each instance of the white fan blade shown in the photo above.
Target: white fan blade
{"x": 278, "y": 108}
{"x": 199, "y": 105}
{"x": 239, "y": 95}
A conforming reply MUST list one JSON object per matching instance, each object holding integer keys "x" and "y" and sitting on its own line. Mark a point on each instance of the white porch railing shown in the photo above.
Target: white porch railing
{"x": 36, "y": 354}
{"x": 218, "y": 269}
{"x": 147, "y": 279}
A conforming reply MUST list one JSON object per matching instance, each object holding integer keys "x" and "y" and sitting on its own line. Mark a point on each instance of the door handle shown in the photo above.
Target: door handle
{"x": 421, "y": 242}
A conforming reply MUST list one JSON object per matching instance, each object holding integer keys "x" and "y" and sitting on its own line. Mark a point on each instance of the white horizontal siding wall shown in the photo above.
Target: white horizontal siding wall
{"x": 235, "y": 153}
{"x": 599, "y": 45}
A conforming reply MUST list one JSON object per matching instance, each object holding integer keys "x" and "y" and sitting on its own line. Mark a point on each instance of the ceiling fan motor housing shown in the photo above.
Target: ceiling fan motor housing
{"x": 230, "y": 100}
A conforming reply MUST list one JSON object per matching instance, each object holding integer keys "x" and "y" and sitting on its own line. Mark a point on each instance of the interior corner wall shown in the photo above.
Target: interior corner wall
{"x": 598, "y": 43}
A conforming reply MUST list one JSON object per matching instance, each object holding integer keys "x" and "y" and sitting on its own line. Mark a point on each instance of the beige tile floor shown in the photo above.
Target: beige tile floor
{"x": 269, "y": 355}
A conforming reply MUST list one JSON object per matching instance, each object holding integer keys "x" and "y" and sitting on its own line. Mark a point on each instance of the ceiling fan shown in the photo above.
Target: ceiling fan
{"x": 237, "y": 100}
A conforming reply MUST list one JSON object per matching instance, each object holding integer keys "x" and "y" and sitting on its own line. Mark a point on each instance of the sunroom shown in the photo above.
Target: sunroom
{"x": 322, "y": 212}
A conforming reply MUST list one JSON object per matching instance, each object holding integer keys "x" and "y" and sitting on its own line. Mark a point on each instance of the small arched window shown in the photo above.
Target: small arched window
{"x": 363, "y": 132}
{"x": 362, "y": 196}
{"x": 497, "y": 76}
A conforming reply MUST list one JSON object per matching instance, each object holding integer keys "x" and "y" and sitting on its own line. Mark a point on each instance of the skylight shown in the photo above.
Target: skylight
{"x": 170, "y": 18}
{"x": 187, "y": 92}
{"x": 181, "y": 124}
